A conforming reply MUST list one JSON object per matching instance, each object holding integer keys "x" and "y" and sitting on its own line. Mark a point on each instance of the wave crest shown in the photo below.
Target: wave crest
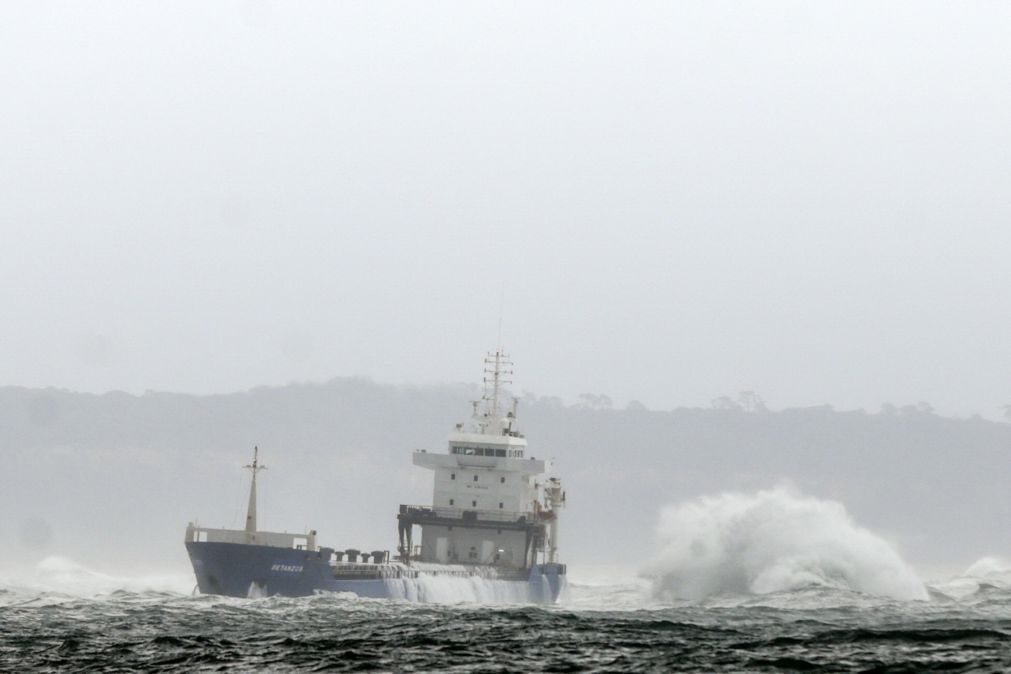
{"x": 990, "y": 568}
{"x": 772, "y": 541}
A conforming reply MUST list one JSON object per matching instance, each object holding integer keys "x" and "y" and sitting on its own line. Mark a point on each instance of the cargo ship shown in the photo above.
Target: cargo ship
{"x": 492, "y": 527}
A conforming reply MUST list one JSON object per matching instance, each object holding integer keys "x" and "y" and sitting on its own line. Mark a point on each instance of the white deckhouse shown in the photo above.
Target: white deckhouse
{"x": 492, "y": 504}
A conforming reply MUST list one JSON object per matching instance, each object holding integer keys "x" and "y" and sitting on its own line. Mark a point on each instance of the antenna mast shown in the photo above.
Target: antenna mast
{"x": 497, "y": 370}
{"x": 501, "y": 313}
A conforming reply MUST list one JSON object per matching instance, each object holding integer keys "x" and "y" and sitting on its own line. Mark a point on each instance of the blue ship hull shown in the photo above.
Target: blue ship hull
{"x": 242, "y": 570}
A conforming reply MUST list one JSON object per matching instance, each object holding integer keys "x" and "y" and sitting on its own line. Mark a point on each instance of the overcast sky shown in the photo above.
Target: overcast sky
{"x": 662, "y": 201}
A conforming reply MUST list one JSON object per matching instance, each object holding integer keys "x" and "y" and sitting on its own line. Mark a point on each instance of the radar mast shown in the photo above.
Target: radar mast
{"x": 497, "y": 373}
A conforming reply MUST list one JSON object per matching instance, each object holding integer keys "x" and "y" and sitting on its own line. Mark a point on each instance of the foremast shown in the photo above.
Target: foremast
{"x": 253, "y": 468}
{"x": 250, "y": 534}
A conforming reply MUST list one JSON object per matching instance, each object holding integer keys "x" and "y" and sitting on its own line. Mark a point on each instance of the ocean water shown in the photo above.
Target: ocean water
{"x": 76, "y": 620}
{"x": 762, "y": 582}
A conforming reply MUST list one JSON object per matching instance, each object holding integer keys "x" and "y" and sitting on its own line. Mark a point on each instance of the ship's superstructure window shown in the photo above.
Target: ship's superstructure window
{"x": 486, "y": 451}
{"x": 501, "y": 505}
{"x": 452, "y": 476}
{"x": 450, "y": 501}
{"x": 502, "y": 480}
{"x": 473, "y": 503}
{"x": 475, "y": 478}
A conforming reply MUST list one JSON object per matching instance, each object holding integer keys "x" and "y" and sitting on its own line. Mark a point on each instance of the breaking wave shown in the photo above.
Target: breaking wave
{"x": 772, "y": 541}
{"x": 985, "y": 578}
{"x": 990, "y": 569}
{"x": 65, "y": 576}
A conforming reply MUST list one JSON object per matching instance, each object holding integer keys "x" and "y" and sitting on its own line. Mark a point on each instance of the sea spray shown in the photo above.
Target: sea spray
{"x": 772, "y": 541}
{"x": 460, "y": 590}
{"x": 983, "y": 577}
{"x": 69, "y": 577}
{"x": 990, "y": 569}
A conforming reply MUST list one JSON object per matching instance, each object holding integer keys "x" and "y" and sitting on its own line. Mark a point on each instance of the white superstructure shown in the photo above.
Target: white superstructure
{"x": 491, "y": 502}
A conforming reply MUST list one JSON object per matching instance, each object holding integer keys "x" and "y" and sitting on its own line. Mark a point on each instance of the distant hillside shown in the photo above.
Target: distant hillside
{"x": 113, "y": 478}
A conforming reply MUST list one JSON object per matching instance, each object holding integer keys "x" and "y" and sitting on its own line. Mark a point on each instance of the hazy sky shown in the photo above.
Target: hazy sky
{"x": 675, "y": 200}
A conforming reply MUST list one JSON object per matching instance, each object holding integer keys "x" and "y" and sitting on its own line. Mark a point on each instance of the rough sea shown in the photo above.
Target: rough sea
{"x": 763, "y": 582}
{"x": 83, "y": 621}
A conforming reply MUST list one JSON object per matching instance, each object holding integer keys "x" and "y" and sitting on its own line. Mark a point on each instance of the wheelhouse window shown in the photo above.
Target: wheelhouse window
{"x": 484, "y": 451}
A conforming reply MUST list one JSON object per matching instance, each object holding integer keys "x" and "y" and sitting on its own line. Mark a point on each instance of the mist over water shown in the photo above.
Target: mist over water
{"x": 772, "y": 541}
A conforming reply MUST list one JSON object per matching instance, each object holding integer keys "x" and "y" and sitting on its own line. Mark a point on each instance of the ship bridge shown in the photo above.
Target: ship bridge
{"x": 490, "y": 503}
